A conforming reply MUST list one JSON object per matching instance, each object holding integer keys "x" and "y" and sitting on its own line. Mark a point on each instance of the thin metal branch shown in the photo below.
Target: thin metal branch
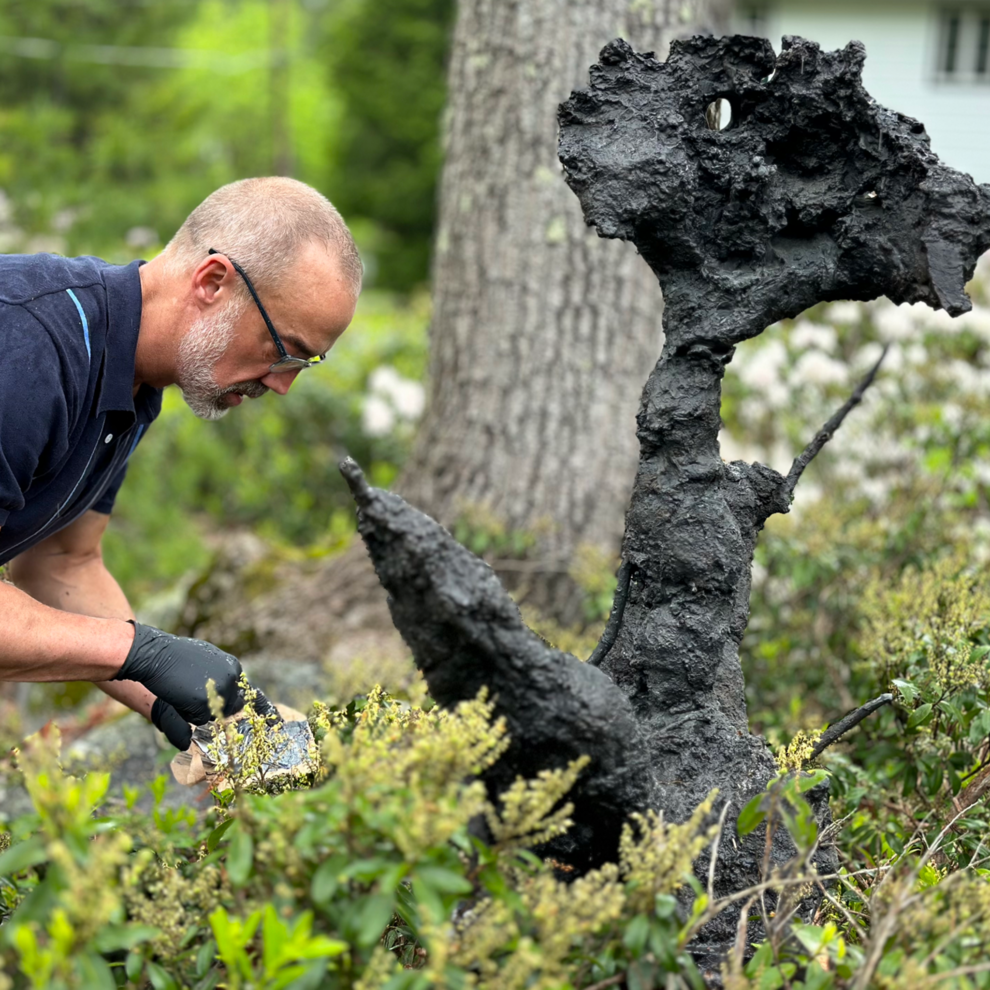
{"x": 615, "y": 616}
{"x": 840, "y": 728}
{"x": 826, "y": 433}
{"x": 714, "y": 853}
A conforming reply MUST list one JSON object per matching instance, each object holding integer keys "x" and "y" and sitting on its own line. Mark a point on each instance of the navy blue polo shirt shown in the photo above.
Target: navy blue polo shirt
{"x": 68, "y": 417}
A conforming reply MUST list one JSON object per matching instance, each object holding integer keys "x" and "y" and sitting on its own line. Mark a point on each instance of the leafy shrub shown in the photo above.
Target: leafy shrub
{"x": 375, "y": 876}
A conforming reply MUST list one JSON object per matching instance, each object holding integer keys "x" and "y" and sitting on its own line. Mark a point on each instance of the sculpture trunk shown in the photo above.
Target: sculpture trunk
{"x": 813, "y": 193}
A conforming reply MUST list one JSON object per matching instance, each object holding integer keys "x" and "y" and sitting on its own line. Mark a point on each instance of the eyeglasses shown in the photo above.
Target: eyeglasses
{"x": 285, "y": 362}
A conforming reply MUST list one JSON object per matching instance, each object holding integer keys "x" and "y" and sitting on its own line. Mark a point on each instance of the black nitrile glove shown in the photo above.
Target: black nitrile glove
{"x": 168, "y": 721}
{"x": 176, "y": 669}
{"x": 265, "y": 708}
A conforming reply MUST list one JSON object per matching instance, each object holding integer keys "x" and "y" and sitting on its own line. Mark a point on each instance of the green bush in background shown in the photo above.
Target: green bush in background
{"x": 388, "y": 61}
{"x": 119, "y": 117}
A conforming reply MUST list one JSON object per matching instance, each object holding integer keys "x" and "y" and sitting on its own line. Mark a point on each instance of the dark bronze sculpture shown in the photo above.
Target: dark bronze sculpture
{"x": 813, "y": 192}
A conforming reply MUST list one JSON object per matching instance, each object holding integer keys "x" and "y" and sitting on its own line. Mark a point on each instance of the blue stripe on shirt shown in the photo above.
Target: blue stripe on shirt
{"x": 140, "y": 431}
{"x": 85, "y": 322}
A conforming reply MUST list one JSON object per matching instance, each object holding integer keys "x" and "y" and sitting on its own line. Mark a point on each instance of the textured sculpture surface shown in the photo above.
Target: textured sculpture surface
{"x": 813, "y": 192}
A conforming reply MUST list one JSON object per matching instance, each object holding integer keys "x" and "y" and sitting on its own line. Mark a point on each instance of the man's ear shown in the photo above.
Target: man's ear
{"x": 213, "y": 279}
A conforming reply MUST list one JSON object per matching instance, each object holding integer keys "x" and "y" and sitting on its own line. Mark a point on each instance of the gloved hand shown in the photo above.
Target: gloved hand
{"x": 176, "y": 669}
{"x": 168, "y": 721}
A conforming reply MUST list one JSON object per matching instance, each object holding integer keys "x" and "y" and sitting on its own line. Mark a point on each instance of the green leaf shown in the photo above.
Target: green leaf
{"x": 801, "y": 823}
{"x": 811, "y": 936}
{"x": 205, "y": 956}
{"x": 312, "y": 977}
{"x": 22, "y": 856}
{"x": 665, "y": 906}
{"x": 761, "y": 959}
{"x": 429, "y": 904}
{"x": 157, "y": 788}
{"x": 217, "y": 834}
{"x": 240, "y": 858}
{"x": 443, "y": 880}
{"x": 816, "y": 978}
{"x": 321, "y": 947}
{"x": 636, "y": 933}
{"x": 772, "y": 979}
{"x": 907, "y": 690}
{"x": 95, "y": 973}
{"x": 115, "y": 937}
{"x": 274, "y": 936}
{"x": 979, "y": 728}
{"x": 921, "y": 716}
{"x": 133, "y": 966}
{"x": 808, "y": 779}
{"x": 372, "y": 918}
{"x": 366, "y": 870}
{"x": 160, "y": 978}
{"x": 325, "y": 883}
{"x": 751, "y": 816}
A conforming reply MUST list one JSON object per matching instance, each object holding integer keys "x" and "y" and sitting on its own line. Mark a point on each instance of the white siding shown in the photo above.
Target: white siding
{"x": 901, "y": 40}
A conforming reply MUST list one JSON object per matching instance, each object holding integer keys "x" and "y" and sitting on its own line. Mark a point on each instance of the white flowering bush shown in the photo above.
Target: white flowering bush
{"x": 926, "y": 419}
{"x": 392, "y": 402}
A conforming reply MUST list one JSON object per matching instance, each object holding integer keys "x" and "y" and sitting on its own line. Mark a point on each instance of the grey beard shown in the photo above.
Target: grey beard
{"x": 201, "y": 348}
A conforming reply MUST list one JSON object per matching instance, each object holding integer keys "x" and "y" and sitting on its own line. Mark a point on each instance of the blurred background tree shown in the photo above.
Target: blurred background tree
{"x": 387, "y": 61}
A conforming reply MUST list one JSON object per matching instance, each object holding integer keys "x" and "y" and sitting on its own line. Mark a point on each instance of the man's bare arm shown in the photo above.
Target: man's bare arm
{"x": 161, "y": 676}
{"x": 66, "y": 572}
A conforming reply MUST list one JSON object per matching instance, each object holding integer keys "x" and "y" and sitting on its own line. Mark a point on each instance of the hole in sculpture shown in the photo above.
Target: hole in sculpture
{"x": 718, "y": 114}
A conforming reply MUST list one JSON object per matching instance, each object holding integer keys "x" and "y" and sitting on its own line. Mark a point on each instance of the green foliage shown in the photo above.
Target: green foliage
{"x": 373, "y": 877}
{"x": 876, "y": 583}
{"x": 118, "y": 118}
{"x": 387, "y": 60}
{"x": 127, "y": 115}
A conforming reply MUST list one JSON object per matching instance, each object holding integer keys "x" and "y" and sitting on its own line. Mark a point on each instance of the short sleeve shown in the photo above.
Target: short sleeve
{"x": 107, "y": 499}
{"x": 34, "y": 420}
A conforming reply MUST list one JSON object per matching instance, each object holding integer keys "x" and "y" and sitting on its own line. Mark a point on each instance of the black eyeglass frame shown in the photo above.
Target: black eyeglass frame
{"x": 286, "y": 361}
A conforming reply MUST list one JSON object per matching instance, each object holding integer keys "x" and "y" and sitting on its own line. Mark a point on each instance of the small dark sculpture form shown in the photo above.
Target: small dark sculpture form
{"x": 814, "y": 192}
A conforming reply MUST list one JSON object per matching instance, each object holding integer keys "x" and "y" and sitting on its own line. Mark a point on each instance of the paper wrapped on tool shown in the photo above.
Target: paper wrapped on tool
{"x": 294, "y": 757}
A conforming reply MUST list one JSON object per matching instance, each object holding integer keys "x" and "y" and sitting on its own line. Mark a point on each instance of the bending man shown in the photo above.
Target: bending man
{"x": 256, "y": 286}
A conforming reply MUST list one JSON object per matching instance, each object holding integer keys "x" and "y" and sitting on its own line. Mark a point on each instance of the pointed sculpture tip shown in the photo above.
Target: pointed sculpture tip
{"x": 355, "y": 479}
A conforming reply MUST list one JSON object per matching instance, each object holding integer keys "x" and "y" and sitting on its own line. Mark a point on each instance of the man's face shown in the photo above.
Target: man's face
{"x": 227, "y": 355}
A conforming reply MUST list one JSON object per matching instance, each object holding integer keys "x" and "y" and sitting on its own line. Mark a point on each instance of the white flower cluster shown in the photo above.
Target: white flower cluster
{"x": 391, "y": 401}
{"x": 929, "y": 407}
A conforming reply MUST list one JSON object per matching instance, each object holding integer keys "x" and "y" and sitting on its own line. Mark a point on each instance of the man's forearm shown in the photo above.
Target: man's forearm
{"x": 41, "y": 643}
{"x": 83, "y": 587}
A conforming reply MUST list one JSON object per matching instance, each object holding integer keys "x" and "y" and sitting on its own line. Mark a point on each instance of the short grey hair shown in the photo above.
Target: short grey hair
{"x": 262, "y": 224}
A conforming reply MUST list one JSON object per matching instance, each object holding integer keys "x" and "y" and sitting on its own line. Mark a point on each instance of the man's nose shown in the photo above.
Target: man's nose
{"x": 280, "y": 381}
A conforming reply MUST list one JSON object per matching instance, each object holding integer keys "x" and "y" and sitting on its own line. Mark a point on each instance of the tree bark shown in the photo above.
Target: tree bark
{"x": 542, "y": 334}
{"x": 814, "y": 193}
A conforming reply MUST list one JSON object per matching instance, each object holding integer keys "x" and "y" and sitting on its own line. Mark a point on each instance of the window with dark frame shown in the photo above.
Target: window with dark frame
{"x": 963, "y": 44}
{"x": 951, "y": 59}
{"x": 983, "y": 44}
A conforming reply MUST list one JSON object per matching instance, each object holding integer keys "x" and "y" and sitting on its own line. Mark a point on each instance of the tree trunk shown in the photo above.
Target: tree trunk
{"x": 813, "y": 193}
{"x": 542, "y": 334}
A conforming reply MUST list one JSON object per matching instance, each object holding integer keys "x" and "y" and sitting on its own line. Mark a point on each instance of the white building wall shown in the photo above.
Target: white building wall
{"x": 902, "y": 41}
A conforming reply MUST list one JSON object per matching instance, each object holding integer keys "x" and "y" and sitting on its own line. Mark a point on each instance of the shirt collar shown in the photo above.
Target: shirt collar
{"x": 123, "y": 323}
